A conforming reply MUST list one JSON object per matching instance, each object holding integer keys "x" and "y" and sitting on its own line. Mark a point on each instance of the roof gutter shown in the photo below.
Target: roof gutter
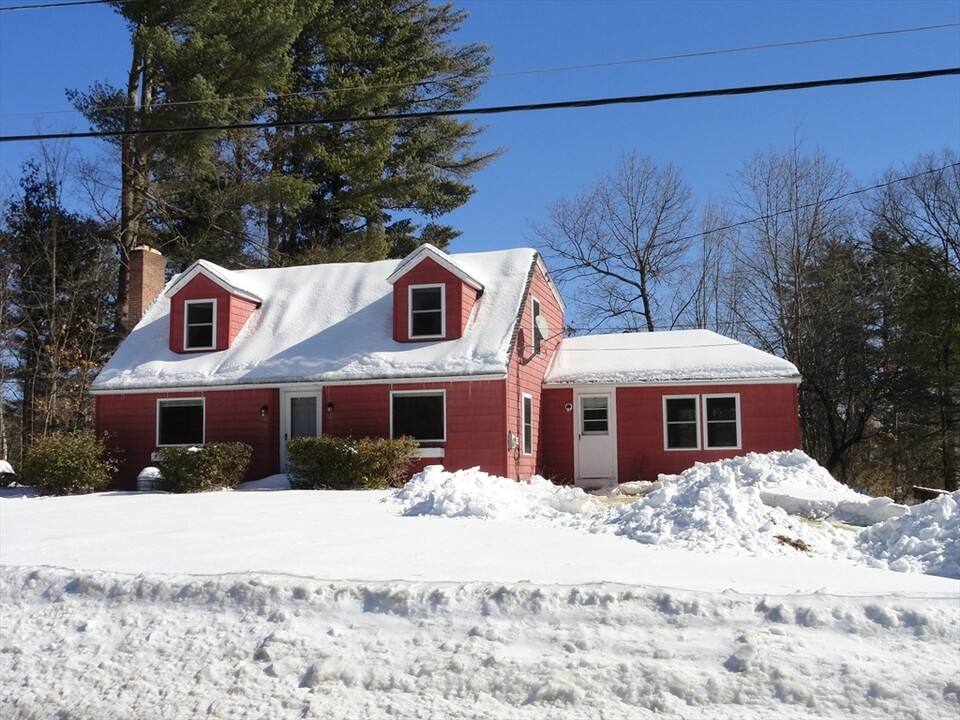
{"x": 278, "y": 385}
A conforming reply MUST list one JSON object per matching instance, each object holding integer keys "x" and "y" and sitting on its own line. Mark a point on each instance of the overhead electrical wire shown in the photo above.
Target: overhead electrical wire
{"x": 807, "y": 206}
{"x": 497, "y": 110}
{"x": 727, "y": 51}
{"x": 45, "y": 6}
{"x": 518, "y": 73}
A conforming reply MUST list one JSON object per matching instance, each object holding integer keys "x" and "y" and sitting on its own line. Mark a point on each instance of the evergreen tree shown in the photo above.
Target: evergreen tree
{"x": 352, "y": 189}
{"x": 341, "y": 189}
{"x": 193, "y": 64}
{"x": 57, "y": 268}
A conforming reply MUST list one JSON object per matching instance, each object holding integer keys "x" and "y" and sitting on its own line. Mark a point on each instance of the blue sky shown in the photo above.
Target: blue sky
{"x": 555, "y": 153}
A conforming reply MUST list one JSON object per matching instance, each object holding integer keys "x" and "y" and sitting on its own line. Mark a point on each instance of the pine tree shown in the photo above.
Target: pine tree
{"x": 352, "y": 190}
{"x": 193, "y": 64}
{"x": 337, "y": 189}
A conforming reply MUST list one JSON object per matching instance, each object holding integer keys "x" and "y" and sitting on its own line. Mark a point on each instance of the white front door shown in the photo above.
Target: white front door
{"x": 301, "y": 418}
{"x": 595, "y": 439}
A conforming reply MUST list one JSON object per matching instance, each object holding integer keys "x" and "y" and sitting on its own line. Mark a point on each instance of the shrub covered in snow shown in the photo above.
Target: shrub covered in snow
{"x": 348, "y": 464}
{"x": 67, "y": 464}
{"x": 213, "y": 466}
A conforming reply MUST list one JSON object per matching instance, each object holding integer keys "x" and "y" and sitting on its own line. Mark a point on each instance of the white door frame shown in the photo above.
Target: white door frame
{"x": 285, "y": 422}
{"x": 589, "y": 391}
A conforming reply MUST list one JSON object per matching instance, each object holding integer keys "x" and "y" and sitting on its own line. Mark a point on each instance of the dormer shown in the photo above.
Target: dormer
{"x": 433, "y": 296}
{"x": 208, "y": 308}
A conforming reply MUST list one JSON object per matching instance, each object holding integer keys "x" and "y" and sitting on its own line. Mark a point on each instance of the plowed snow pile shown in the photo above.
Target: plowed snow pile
{"x": 779, "y": 503}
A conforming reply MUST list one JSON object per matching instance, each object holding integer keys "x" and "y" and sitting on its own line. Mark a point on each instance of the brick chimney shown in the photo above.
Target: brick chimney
{"x": 145, "y": 281}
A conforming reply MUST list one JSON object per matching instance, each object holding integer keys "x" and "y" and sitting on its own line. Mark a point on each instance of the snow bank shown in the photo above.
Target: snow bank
{"x": 925, "y": 539}
{"x": 87, "y": 644}
{"x": 474, "y": 493}
{"x": 721, "y": 506}
{"x": 774, "y": 504}
{"x": 796, "y": 483}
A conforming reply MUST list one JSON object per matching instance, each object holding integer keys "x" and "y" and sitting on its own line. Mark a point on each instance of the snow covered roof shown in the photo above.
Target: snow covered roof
{"x": 438, "y": 256}
{"x": 326, "y": 323}
{"x": 663, "y": 357}
{"x": 229, "y": 280}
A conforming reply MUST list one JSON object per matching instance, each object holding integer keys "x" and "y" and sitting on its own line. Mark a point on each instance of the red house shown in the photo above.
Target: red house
{"x": 463, "y": 352}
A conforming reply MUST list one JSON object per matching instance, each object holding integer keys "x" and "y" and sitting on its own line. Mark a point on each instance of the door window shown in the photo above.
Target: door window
{"x": 593, "y": 415}
{"x": 303, "y": 416}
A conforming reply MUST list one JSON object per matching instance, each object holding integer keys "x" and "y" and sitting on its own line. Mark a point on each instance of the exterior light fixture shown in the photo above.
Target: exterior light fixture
{"x": 263, "y": 410}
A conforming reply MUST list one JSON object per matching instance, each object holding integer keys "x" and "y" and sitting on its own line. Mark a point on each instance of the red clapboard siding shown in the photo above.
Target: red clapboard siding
{"x": 240, "y": 310}
{"x": 556, "y": 436}
{"x": 229, "y": 416}
{"x": 525, "y": 375}
{"x": 476, "y": 431}
{"x": 768, "y": 413}
{"x": 768, "y": 417}
{"x": 468, "y": 298}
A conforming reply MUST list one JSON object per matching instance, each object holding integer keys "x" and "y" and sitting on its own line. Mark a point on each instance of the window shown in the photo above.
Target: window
{"x": 720, "y": 422}
{"x": 426, "y": 311}
{"x": 534, "y": 328}
{"x": 200, "y": 324}
{"x": 180, "y": 422}
{"x": 593, "y": 415}
{"x": 681, "y": 425}
{"x": 420, "y": 415}
{"x": 722, "y": 414}
{"x": 527, "y": 425}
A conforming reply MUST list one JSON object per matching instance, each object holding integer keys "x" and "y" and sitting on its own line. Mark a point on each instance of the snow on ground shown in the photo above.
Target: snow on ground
{"x": 738, "y": 506}
{"x": 464, "y": 595}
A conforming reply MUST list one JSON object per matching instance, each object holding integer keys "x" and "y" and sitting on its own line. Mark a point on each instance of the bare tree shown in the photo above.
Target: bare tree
{"x": 808, "y": 294}
{"x": 626, "y": 238}
{"x": 709, "y": 288}
{"x": 791, "y": 209}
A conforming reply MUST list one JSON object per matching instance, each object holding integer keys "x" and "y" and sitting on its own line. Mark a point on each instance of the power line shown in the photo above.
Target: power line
{"x": 807, "y": 206}
{"x": 726, "y": 51}
{"x": 498, "y": 110}
{"x": 44, "y": 6}
{"x": 515, "y": 73}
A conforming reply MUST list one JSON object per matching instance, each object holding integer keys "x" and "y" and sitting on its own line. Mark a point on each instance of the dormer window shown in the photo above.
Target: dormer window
{"x": 427, "y": 312}
{"x": 200, "y": 325}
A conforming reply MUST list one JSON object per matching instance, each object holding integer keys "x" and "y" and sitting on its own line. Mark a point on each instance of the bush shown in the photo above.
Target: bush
{"x": 209, "y": 467}
{"x": 67, "y": 464}
{"x": 347, "y": 464}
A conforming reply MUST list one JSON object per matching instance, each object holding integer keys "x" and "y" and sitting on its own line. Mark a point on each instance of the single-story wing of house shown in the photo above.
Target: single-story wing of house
{"x": 464, "y": 352}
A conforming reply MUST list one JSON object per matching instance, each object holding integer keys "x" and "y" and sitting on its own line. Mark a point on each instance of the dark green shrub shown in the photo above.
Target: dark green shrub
{"x": 347, "y": 464}
{"x": 213, "y": 466}
{"x": 67, "y": 464}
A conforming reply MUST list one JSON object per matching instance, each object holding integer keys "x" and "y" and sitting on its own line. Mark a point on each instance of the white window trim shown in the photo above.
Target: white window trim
{"x": 186, "y": 325}
{"x": 534, "y": 311}
{"x": 696, "y": 415}
{"x": 580, "y": 419}
{"x": 524, "y": 421}
{"x": 203, "y": 431}
{"x": 443, "y": 311}
{"x": 422, "y": 393}
{"x": 706, "y": 422}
